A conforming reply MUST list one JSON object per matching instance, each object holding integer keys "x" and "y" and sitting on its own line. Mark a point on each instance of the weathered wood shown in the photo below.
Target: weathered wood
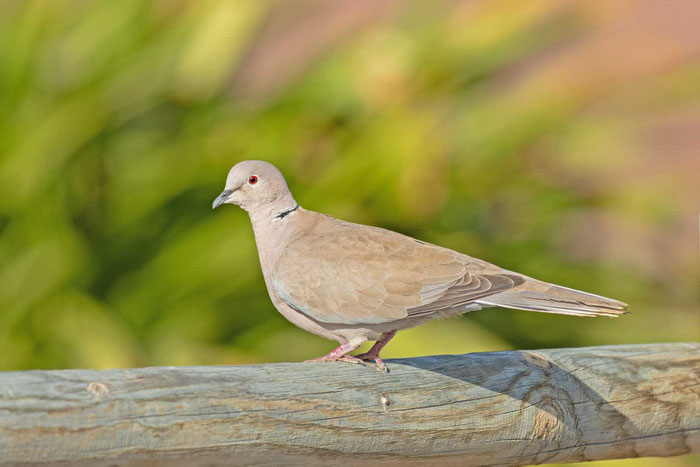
{"x": 481, "y": 409}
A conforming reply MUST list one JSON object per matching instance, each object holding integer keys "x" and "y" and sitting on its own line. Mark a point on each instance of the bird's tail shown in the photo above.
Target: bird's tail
{"x": 535, "y": 295}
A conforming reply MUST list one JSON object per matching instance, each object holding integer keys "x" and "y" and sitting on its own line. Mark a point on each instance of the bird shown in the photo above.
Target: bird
{"x": 355, "y": 283}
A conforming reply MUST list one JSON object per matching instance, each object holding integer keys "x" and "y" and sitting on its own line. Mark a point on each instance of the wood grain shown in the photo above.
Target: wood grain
{"x": 502, "y": 408}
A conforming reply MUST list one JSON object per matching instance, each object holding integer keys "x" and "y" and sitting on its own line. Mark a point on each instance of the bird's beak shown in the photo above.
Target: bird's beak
{"x": 223, "y": 197}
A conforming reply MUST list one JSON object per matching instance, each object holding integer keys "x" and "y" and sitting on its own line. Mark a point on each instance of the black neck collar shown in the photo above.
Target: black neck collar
{"x": 282, "y": 214}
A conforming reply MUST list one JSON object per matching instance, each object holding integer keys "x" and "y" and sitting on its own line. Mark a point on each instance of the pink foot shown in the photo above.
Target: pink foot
{"x": 343, "y": 358}
{"x": 373, "y": 353}
{"x": 368, "y": 356}
{"x": 340, "y": 355}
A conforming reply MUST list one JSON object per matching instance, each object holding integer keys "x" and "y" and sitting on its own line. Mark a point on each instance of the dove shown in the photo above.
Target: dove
{"x": 355, "y": 283}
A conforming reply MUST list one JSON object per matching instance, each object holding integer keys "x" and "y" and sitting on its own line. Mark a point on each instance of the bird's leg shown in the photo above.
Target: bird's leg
{"x": 339, "y": 354}
{"x": 373, "y": 353}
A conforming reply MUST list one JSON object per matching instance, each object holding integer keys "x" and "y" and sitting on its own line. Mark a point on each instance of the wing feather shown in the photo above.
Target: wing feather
{"x": 351, "y": 274}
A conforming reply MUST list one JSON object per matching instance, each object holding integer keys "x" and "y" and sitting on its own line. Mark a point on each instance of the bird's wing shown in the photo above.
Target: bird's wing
{"x": 354, "y": 274}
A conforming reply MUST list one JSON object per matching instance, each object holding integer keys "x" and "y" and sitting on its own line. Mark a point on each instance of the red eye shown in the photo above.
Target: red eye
{"x": 253, "y": 180}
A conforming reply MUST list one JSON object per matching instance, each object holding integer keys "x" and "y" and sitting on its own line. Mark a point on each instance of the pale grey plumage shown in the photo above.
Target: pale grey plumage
{"x": 352, "y": 282}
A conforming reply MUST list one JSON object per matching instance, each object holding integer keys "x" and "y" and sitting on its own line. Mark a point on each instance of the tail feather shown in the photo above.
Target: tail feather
{"x": 549, "y": 298}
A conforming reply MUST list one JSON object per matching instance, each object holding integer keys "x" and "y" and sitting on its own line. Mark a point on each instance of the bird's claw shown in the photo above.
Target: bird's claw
{"x": 378, "y": 362}
{"x": 344, "y": 358}
{"x": 355, "y": 359}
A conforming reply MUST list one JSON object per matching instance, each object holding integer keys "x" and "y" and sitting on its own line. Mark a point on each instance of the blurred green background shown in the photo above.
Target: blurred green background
{"x": 545, "y": 138}
{"x": 558, "y": 139}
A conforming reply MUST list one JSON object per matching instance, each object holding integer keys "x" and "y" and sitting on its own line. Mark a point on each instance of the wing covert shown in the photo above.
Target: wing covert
{"x": 365, "y": 275}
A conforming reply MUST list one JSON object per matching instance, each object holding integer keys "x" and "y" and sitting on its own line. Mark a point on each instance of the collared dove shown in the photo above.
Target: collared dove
{"x": 353, "y": 283}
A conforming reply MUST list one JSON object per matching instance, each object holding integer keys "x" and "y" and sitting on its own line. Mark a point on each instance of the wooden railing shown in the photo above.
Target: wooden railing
{"x": 502, "y": 408}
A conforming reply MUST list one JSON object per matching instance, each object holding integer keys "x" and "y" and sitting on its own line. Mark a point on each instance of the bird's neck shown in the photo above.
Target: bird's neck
{"x": 274, "y": 227}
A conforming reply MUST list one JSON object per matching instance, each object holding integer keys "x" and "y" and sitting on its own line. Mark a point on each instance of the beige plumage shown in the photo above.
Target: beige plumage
{"x": 354, "y": 283}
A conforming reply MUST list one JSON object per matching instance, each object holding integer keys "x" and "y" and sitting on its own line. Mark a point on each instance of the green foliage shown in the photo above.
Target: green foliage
{"x": 117, "y": 129}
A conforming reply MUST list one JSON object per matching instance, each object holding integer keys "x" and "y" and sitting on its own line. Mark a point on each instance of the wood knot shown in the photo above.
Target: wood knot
{"x": 97, "y": 389}
{"x": 545, "y": 424}
{"x": 549, "y": 419}
{"x": 537, "y": 360}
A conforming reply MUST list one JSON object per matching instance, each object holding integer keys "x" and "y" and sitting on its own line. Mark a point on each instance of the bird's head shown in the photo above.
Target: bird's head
{"x": 255, "y": 185}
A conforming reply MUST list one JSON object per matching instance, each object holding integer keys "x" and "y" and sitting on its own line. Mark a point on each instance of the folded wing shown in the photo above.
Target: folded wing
{"x": 363, "y": 275}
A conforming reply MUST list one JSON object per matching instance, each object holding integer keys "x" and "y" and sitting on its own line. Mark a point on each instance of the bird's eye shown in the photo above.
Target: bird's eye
{"x": 253, "y": 180}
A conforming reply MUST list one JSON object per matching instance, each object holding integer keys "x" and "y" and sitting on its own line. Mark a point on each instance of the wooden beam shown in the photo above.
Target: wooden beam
{"x": 502, "y": 408}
